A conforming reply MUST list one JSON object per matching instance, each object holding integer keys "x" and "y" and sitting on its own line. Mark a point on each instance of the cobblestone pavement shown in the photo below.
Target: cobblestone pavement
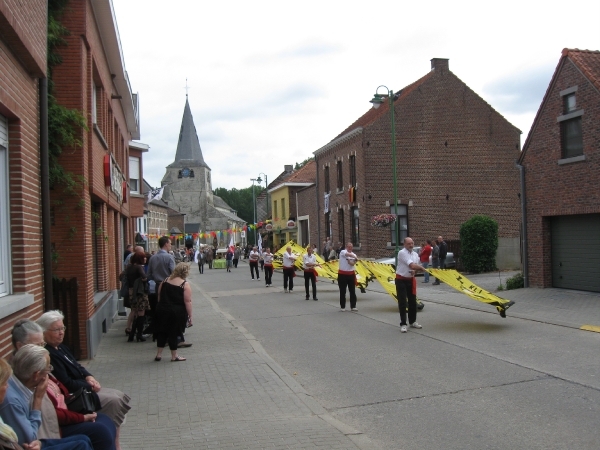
{"x": 228, "y": 394}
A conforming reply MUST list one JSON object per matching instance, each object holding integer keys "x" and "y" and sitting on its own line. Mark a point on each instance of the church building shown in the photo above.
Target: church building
{"x": 188, "y": 188}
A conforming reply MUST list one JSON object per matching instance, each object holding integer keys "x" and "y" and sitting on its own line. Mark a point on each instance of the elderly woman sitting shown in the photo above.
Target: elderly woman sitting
{"x": 23, "y": 393}
{"x": 73, "y": 375}
{"x": 97, "y": 426}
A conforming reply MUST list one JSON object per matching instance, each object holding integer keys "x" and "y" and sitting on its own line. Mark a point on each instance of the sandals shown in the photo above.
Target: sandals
{"x": 158, "y": 358}
{"x": 178, "y": 359}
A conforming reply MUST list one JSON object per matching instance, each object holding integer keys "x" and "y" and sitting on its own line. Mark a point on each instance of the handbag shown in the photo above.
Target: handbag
{"x": 81, "y": 401}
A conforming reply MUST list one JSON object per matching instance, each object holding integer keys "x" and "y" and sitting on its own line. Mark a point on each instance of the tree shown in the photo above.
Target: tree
{"x": 478, "y": 244}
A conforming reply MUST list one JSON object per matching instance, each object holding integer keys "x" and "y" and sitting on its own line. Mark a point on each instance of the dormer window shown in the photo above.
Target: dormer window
{"x": 570, "y": 103}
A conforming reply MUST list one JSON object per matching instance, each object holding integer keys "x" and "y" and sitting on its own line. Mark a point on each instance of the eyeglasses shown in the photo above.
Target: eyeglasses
{"x": 39, "y": 344}
{"x": 57, "y": 330}
{"x": 49, "y": 369}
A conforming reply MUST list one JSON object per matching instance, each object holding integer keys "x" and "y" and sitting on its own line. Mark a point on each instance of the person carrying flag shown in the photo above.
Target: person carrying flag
{"x": 309, "y": 262}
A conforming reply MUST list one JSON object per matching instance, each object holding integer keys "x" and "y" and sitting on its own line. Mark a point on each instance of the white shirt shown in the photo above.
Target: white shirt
{"x": 345, "y": 255}
{"x": 309, "y": 261}
{"x": 268, "y": 258}
{"x": 253, "y": 256}
{"x": 405, "y": 258}
{"x": 288, "y": 260}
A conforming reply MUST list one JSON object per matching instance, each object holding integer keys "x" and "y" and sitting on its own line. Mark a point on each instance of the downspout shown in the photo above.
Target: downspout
{"x": 318, "y": 207}
{"x": 524, "y": 221}
{"x": 45, "y": 187}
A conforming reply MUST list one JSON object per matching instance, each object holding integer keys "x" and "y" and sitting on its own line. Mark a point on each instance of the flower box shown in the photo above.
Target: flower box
{"x": 383, "y": 220}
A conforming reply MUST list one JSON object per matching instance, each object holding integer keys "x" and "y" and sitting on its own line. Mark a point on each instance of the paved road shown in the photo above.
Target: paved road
{"x": 271, "y": 370}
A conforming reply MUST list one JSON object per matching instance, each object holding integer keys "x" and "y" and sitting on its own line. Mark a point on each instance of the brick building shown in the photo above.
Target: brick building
{"x": 137, "y": 193}
{"x": 284, "y": 206}
{"x": 561, "y": 175}
{"x": 455, "y": 158}
{"x": 22, "y": 70}
{"x": 93, "y": 224}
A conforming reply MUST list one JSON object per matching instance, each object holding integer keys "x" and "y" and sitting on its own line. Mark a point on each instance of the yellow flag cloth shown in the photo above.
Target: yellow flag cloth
{"x": 462, "y": 284}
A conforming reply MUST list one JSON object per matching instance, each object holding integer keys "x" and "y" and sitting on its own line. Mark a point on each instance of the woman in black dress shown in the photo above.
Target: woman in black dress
{"x": 174, "y": 311}
{"x": 138, "y": 294}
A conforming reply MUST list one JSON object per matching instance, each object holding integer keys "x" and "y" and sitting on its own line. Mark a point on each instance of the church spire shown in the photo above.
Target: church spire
{"x": 189, "y": 153}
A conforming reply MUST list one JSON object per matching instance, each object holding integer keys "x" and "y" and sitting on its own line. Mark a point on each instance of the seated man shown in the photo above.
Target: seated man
{"x": 21, "y": 406}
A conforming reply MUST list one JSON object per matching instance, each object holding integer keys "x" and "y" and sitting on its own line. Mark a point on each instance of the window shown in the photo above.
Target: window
{"x": 94, "y": 105}
{"x": 4, "y": 211}
{"x": 327, "y": 224}
{"x": 354, "y": 215}
{"x": 400, "y": 226}
{"x": 283, "y": 216}
{"x": 571, "y": 135}
{"x": 341, "y": 230}
{"x": 353, "y": 170}
{"x": 326, "y": 176}
{"x": 134, "y": 174}
{"x": 340, "y": 178}
{"x": 275, "y": 211}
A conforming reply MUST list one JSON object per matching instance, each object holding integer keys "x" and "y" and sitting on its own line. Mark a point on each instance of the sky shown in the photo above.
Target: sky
{"x": 270, "y": 82}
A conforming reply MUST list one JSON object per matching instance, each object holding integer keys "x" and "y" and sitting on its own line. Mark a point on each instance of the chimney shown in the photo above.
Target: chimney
{"x": 440, "y": 64}
{"x": 288, "y": 168}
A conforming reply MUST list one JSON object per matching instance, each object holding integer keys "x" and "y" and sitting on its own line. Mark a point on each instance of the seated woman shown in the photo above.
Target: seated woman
{"x": 97, "y": 426}
{"x": 73, "y": 375}
{"x": 22, "y": 394}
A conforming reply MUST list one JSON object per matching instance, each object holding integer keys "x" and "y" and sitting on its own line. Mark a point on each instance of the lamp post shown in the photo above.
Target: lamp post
{"x": 259, "y": 180}
{"x": 254, "y": 208}
{"x": 377, "y": 101}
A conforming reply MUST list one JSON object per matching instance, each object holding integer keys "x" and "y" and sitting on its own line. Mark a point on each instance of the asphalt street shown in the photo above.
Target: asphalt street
{"x": 271, "y": 370}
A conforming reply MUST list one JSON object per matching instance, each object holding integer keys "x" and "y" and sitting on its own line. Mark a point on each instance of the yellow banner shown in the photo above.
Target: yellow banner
{"x": 462, "y": 284}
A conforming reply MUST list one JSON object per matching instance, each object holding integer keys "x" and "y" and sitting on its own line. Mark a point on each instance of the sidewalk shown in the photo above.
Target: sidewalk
{"x": 228, "y": 394}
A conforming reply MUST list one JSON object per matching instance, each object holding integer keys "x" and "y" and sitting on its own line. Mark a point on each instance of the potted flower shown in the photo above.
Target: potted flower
{"x": 383, "y": 220}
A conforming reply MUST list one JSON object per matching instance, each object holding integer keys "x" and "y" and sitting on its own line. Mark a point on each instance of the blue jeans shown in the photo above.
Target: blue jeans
{"x": 426, "y": 274}
{"x": 75, "y": 442}
{"x": 102, "y": 432}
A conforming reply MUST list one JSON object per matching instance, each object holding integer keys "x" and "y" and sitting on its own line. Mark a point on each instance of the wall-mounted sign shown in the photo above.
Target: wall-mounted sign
{"x": 113, "y": 177}
{"x": 269, "y": 227}
{"x": 291, "y": 224}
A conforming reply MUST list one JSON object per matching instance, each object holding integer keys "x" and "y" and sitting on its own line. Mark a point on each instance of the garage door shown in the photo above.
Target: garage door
{"x": 576, "y": 252}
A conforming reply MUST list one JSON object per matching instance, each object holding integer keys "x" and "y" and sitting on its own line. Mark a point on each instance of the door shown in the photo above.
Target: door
{"x": 576, "y": 252}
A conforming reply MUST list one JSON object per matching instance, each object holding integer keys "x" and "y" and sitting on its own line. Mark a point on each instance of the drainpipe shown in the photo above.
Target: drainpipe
{"x": 45, "y": 188}
{"x": 318, "y": 207}
{"x": 524, "y": 221}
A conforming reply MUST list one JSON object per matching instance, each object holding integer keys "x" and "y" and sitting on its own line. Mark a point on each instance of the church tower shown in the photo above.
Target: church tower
{"x": 187, "y": 181}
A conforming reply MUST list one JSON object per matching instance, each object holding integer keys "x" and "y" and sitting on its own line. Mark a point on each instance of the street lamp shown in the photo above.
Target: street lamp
{"x": 254, "y": 208}
{"x": 259, "y": 180}
{"x": 377, "y": 101}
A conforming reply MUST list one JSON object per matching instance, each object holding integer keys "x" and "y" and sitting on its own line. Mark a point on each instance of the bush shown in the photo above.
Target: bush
{"x": 515, "y": 282}
{"x": 478, "y": 244}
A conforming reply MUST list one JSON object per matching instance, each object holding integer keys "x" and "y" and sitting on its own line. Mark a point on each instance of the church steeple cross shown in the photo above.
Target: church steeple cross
{"x": 187, "y": 88}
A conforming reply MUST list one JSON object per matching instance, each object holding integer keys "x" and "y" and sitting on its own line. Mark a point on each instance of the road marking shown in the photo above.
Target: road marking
{"x": 594, "y": 328}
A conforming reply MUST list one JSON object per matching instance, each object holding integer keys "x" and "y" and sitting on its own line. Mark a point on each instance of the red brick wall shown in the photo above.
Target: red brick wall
{"x": 448, "y": 141}
{"x": 22, "y": 60}
{"x": 553, "y": 189}
{"x": 84, "y": 62}
{"x": 307, "y": 205}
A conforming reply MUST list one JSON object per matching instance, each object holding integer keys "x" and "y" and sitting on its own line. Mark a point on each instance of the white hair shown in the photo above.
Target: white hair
{"x": 29, "y": 359}
{"x": 48, "y": 318}
{"x": 22, "y": 329}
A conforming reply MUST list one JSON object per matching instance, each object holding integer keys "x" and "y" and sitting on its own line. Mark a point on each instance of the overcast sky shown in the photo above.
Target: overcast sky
{"x": 270, "y": 82}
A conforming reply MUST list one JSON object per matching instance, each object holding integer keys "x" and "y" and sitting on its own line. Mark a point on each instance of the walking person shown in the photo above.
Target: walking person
{"x": 347, "y": 277}
{"x": 309, "y": 262}
{"x": 138, "y": 295}
{"x": 288, "y": 269}
{"x": 201, "y": 261}
{"x": 209, "y": 257}
{"x": 268, "y": 258}
{"x": 443, "y": 251}
{"x": 424, "y": 255}
{"x": 229, "y": 259}
{"x": 174, "y": 311}
{"x": 406, "y": 284}
{"x": 253, "y": 257}
{"x": 236, "y": 255}
{"x": 435, "y": 258}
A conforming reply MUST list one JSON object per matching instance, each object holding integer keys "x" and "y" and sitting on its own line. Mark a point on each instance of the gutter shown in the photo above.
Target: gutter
{"x": 45, "y": 194}
{"x": 524, "y": 221}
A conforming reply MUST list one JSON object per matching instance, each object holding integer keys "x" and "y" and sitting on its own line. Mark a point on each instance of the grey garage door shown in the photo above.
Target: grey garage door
{"x": 576, "y": 252}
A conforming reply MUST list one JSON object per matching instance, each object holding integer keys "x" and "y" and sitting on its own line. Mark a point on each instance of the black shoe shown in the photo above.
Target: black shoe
{"x": 315, "y": 299}
{"x": 307, "y": 298}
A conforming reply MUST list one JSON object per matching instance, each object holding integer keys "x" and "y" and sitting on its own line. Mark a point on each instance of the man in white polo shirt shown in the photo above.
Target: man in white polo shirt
{"x": 288, "y": 269}
{"x": 347, "y": 277}
{"x": 406, "y": 284}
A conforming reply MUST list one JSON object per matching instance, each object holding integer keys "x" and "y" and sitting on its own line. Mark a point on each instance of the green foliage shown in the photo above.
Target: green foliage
{"x": 478, "y": 244}
{"x": 303, "y": 163}
{"x": 515, "y": 282}
{"x": 240, "y": 200}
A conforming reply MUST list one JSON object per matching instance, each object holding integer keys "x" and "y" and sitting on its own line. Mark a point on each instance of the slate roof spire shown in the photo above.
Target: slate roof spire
{"x": 189, "y": 153}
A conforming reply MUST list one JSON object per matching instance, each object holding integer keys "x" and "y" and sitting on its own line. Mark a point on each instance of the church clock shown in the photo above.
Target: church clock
{"x": 185, "y": 172}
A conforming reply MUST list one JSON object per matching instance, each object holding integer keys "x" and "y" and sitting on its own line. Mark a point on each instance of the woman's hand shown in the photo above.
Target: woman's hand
{"x": 90, "y": 417}
{"x": 35, "y": 445}
{"x": 93, "y": 383}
